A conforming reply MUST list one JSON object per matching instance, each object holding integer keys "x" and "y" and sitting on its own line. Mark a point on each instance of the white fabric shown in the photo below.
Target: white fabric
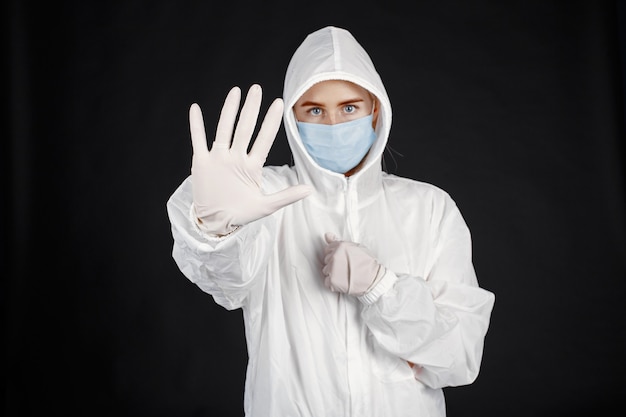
{"x": 314, "y": 352}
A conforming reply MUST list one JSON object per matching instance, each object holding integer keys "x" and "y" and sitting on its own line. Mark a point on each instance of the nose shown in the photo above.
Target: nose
{"x": 332, "y": 119}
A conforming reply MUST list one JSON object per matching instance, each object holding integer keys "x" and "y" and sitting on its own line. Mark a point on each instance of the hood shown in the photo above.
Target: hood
{"x": 332, "y": 53}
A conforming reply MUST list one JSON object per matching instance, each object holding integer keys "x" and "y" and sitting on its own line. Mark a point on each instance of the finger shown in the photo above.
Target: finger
{"x": 330, "y": 237}
{"x": 226, "y": 123}
{"x": 287, "y": 196}
{"x": 325, "y": 271}
{"x": 196, "y": 127}
{"x": 328, "y": 283}
{"x": 247, "y": 119}
{"x": 268, "y": 131}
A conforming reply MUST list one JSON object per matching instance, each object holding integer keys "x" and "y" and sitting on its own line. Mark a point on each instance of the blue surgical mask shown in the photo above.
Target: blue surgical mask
{"x": 339, "y": 147}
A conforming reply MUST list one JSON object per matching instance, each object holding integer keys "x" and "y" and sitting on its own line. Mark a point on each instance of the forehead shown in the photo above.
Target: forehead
{"x": 330, "y": 91}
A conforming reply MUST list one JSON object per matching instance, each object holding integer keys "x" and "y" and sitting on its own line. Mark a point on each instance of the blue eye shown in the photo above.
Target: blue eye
{"x": 349, "y": 108}
{"x": 315, "y": 111}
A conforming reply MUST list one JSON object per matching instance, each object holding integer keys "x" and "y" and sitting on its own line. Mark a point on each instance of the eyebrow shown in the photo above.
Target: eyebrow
{"x": 313, "y": 103}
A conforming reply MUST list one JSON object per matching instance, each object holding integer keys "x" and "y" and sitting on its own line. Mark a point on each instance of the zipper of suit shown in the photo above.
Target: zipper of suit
{"x": 352, "y": 218}
{"x": 352, "y": 213}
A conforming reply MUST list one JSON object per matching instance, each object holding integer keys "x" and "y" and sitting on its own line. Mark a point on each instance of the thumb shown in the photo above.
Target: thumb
{"x": 288, "y": 196}
{"x": 330, "y": 237}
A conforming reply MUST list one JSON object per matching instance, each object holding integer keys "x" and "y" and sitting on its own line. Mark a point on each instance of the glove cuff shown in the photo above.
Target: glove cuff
{"x": 385, "y": 279}
{"x": 202, "y": 229}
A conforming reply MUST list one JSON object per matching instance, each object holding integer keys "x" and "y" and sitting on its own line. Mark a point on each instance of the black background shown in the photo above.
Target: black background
{"x": 513, "y": 107}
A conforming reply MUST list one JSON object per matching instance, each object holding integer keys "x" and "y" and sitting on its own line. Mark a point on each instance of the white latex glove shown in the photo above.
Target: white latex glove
{"x": 349, "y": 267}
{"x": 226, "y": 181}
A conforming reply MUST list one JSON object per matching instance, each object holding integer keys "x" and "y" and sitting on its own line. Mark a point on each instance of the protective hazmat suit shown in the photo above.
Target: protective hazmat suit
{"x": 315, "y": 352}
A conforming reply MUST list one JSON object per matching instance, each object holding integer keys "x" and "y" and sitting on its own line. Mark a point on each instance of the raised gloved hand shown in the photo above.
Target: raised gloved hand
{"x": 226, "y": 181}
{"x": 349, "y": 267}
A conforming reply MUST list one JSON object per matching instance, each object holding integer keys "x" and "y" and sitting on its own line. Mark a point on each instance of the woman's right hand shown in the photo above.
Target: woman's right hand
{"x": 226, "y": 181}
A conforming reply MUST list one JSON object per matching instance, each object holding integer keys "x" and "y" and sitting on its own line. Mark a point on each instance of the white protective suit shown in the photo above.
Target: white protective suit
{"x": 313, "y": 352}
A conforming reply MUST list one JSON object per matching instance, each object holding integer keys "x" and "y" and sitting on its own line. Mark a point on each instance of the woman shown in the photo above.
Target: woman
{"x": 357, "y": 287}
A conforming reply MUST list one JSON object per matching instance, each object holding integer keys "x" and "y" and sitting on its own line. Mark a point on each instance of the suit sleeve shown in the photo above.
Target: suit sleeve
{"x": 228, "y": 268}
{"x": 437, "y": 322}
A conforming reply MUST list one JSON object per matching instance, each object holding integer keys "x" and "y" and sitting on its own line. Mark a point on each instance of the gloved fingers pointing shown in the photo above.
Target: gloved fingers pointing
{"x": 247, "y": 119}
{"x": 287, "y": 196}
{"x": 226, "y": 123}
{"x": 196, "y": 127}
{"x": 268, "y": 131}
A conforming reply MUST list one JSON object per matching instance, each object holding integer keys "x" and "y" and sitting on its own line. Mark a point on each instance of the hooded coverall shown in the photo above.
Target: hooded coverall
{"x": 313, "y": 352}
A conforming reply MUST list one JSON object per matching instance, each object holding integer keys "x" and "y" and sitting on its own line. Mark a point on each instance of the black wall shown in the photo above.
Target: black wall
{"x": 513, "y": 107}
